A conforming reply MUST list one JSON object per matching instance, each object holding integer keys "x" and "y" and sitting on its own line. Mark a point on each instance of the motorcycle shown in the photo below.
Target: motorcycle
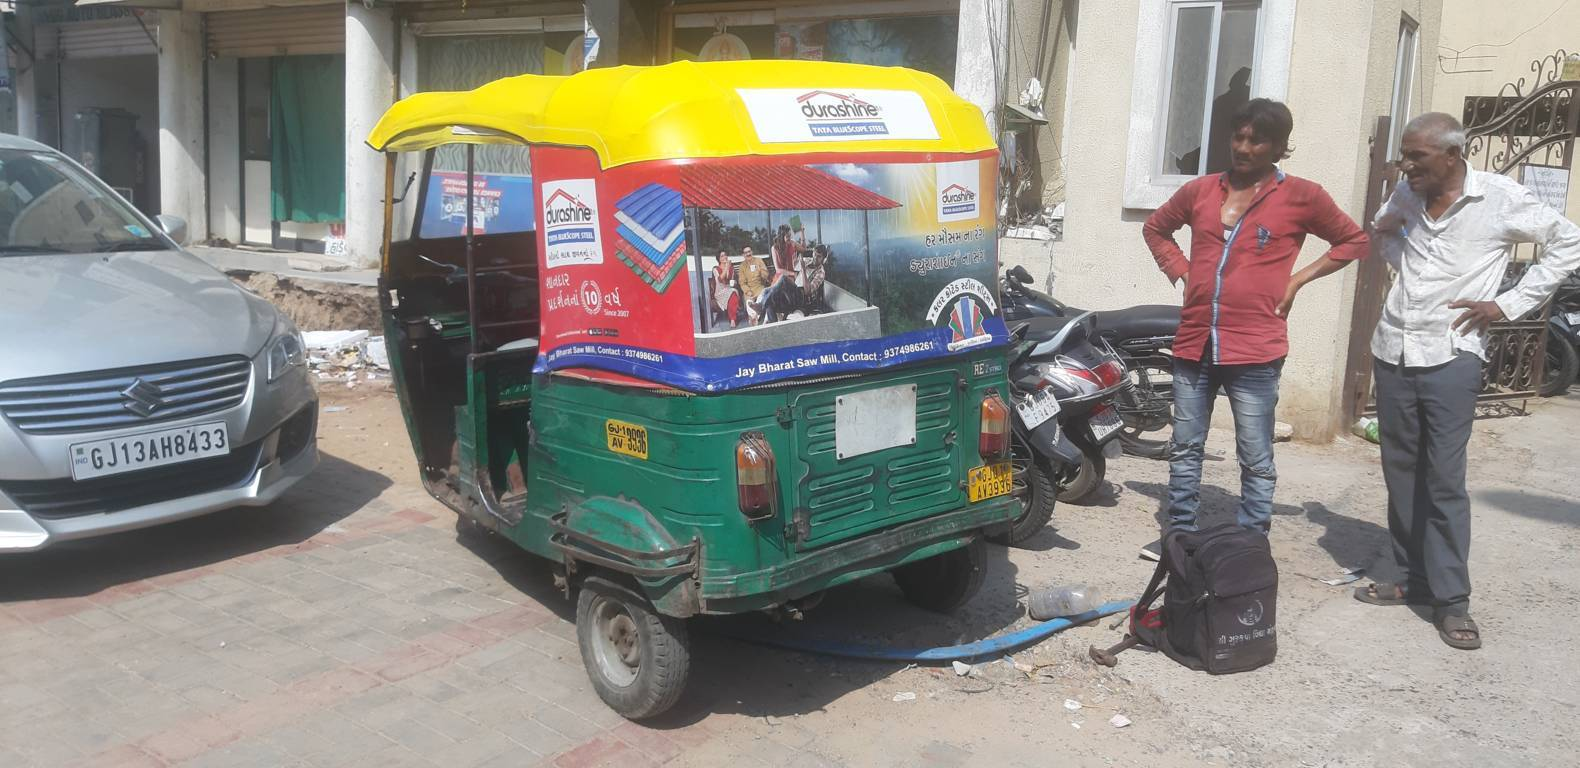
{"x": 1080, "y": 378}
{"x": 1143, "y": 336}
{"x": 1039, "y": 449}
{"x": 1563, "y": 339}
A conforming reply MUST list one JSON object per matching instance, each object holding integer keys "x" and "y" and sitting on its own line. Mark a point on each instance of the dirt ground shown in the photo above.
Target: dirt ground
{"x": 316, "y": 305}
{"x": 1353, "y": 685}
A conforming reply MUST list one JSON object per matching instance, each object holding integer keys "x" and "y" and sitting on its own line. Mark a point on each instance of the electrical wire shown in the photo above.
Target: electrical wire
{"x": 1533, "y": 28}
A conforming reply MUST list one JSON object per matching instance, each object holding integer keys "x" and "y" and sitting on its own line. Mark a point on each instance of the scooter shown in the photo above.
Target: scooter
{"x": 1083, "y": 375}
{"x": 1563, "y": 339}
{"x": 1144, "y": 338}
{"x": 1039, "y": 448}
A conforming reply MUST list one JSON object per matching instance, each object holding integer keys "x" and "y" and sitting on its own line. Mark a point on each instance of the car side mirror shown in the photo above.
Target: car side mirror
{"x": 174, "y": 226}
{"x": 1020, "y": 274}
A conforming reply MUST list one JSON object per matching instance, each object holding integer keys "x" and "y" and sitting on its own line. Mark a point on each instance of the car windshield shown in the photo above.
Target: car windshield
{"x": 49, "y": 205}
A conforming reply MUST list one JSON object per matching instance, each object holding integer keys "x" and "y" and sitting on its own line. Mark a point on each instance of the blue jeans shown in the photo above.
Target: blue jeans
{"x": 1253, "y": 396}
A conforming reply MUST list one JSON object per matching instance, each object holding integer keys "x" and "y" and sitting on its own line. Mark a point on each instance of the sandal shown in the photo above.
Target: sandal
{"x": 1382, "y": 593}
{"x": 1448, "y": 625}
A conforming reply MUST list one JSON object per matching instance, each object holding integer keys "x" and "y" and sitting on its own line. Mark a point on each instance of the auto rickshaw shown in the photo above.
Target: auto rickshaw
{"x": 711, "y": 337}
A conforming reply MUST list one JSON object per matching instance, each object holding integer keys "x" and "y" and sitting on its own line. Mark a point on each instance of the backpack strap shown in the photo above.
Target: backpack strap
{"x": 1143, "y": 606}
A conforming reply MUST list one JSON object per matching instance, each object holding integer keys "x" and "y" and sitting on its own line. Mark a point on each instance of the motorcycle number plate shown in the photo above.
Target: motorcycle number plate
{"x": 1105, "y": 422}
{"x": 1037, "y": 407}
{"x": 1572, "y": 317}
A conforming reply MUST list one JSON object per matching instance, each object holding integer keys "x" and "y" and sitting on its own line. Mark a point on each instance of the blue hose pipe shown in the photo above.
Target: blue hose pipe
{"x": 992, "y": 647}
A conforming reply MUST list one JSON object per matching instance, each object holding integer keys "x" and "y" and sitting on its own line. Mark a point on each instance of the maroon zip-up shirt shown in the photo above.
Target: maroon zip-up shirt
{"x": 1235, "y": 280}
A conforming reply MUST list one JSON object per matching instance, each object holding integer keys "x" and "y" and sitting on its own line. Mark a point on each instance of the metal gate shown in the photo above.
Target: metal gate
{"x": 1526, "y": 129}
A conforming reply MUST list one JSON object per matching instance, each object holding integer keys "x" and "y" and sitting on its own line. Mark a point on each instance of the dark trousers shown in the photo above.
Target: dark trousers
{"x": 1424, "y": 417}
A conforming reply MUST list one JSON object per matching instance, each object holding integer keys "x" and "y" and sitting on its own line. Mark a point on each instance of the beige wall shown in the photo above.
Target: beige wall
{"x": 1025, "y": 34}
{"x": 1483, "y": 47}
{"x": 1341, "y": 78}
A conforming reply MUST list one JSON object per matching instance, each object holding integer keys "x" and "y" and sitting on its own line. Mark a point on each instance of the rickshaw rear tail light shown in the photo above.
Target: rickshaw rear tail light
{"x": 993, "y": 440}
{"x": 755, "y": 480}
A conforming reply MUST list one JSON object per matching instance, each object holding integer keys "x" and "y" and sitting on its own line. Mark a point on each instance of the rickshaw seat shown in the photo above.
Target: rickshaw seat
{"x": 531, "y": 342}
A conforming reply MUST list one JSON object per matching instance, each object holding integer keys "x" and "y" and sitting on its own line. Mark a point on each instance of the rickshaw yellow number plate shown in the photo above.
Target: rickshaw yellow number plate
{"x": 991, "y": 480}
{"x": 627, "y": 438}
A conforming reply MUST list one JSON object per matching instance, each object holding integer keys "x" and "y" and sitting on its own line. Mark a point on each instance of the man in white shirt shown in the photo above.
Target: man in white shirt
{"x": 1449, "y": 234}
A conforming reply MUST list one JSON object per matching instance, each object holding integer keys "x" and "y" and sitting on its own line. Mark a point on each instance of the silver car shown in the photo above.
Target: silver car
{"x": 138, "y": 385}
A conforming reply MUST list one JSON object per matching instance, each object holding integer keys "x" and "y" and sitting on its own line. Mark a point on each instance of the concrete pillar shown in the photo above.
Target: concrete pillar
{"x": 181, "y": 140}
{"x": 23, "y": 78}
{"x": 371, "y": 73}
{"x": 982, "y": 55}
{"x": 224, "y": 149}
{"x": 627, "y": 31}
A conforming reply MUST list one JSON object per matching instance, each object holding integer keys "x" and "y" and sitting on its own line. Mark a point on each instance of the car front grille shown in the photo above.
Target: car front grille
{"x": 125, "y": 397}
{"x": 65, "y": 498}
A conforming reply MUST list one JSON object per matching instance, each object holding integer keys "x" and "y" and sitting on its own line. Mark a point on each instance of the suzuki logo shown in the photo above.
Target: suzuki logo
{"x": 141, "y": 398}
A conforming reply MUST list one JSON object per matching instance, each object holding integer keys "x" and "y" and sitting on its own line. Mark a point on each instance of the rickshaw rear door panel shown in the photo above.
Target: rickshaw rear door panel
{"x": 838, "y": 498}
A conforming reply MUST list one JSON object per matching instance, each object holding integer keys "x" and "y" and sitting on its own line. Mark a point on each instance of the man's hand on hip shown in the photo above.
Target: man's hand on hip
{"x": 1282, "y": 310}
{"x": 1478, "y": 315}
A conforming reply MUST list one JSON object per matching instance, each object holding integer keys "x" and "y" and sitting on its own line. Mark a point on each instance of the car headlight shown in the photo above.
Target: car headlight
{"x": 285, "y": 350}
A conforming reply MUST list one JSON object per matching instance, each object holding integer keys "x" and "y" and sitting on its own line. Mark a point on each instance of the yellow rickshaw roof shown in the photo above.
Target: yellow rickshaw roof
{"x": 682, "y": 110}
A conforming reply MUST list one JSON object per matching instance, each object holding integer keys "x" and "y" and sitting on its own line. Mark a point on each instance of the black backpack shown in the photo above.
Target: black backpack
{"x": 1220, "y": 593}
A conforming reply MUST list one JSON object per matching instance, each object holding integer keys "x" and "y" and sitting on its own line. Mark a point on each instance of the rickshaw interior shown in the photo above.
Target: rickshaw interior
{"x": 463, "y": 308}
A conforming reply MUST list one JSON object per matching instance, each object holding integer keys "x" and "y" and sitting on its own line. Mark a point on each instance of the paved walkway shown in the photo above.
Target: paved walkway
{"x": 347, "y": 625}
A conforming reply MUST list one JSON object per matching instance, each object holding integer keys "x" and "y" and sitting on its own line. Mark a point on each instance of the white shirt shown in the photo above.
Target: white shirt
{"x": 1463, "y": 255}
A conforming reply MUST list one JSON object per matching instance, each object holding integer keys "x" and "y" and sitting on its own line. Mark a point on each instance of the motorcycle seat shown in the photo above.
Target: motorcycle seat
{"x": 1139, "y": 322}
{"x": 1040, "y": 329}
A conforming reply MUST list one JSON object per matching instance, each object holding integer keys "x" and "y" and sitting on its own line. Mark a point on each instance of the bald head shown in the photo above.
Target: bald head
{"x": 1431, "y": 155}
{"x": 1437, "y": 129}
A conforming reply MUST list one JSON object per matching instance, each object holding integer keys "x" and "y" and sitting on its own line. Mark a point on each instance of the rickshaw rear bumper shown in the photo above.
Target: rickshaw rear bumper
{"x": 831, "y": 566}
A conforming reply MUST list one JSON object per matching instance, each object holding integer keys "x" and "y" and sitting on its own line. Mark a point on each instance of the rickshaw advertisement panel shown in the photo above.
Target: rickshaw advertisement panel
{"x": 713, "y": 275}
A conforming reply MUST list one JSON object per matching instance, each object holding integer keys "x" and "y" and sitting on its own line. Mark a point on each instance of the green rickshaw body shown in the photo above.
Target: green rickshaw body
{"x": 841, "y": 519}
{"x": 598, "y": 382}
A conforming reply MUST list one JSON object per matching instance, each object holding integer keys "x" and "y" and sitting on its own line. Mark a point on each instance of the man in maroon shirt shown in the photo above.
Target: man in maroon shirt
{"x": 1247, "y": 226}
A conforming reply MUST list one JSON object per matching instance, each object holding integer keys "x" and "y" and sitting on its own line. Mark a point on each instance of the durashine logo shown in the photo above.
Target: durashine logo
{"x": 956, "y": 198}
{"x": 958, "y": 187}
{"x": 570, "y": 222}
{"x": 829, "y": 114}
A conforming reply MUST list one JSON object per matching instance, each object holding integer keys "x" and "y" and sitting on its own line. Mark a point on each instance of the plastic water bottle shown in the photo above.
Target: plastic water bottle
{"x": 1055, "y": 602}
{"x": 1366, "y": 429}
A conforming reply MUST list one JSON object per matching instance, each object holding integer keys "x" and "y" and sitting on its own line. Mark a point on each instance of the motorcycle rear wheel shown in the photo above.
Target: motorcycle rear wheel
{"x": 1563, "y": 366}
{"x": 1081, "y": 487}
{"x": 1146, "y": 412}
{"x": 1035, "y": 489}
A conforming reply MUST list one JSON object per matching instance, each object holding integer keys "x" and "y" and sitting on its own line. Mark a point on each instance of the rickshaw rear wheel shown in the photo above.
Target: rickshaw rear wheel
{"x": 943, "y": 583}
{"x": 638, "y": 659}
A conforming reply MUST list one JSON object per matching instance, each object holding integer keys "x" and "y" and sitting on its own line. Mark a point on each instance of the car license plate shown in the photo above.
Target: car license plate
{"x": 991, "y": 480}
{"x": 1105, "y": 422}
{"x": 149, "y": 449}
{"x": 1037, "y": 407}
{"x": 1573, "y": 318}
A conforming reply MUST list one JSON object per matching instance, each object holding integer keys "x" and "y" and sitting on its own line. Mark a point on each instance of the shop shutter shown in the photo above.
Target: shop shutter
{"x": 98, "y": 39}
{"x": 289, "y": 31}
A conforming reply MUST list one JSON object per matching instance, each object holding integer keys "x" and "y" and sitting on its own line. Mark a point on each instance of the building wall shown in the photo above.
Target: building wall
{"x": 1102, "y": 262}
{"x": 224, "y": 147}
{"x": 1027, "y": 33}
{"x": 1484, "y": 46}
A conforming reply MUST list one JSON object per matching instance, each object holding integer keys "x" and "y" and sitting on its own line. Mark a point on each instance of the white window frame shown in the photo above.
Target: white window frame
{"x": 1146, "y": 186}
{"x": 1406, "y": 74}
